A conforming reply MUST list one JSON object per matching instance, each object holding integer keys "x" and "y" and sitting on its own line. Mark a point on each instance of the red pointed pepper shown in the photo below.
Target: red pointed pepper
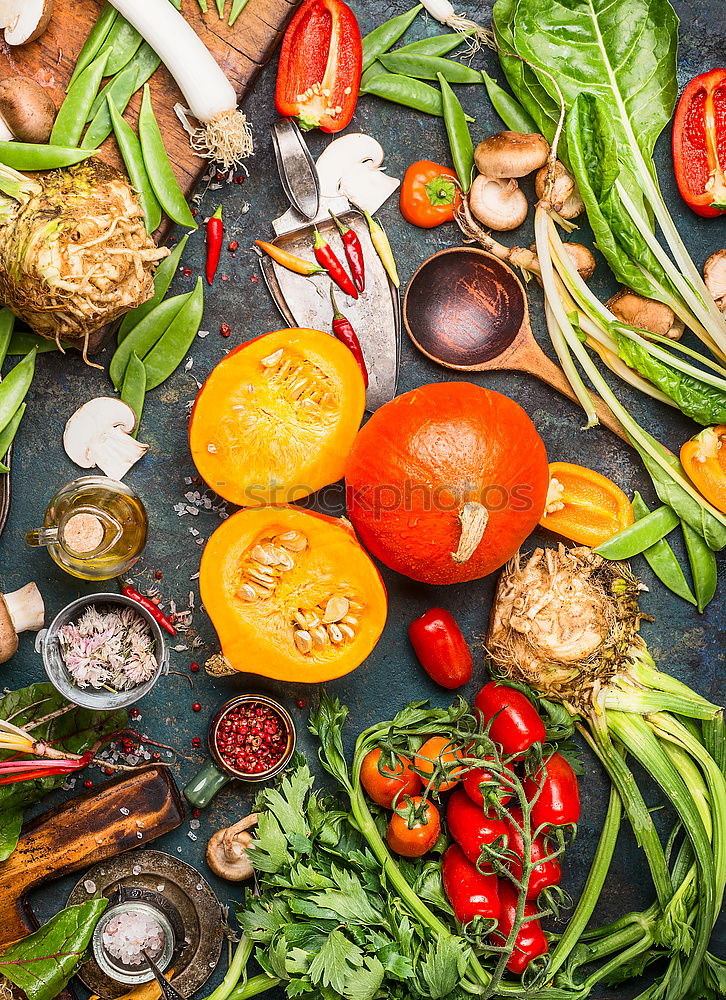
{"x": 353, "y": 251}
{"x": 699, "y": 143}
{"x": 471, "y": 893}
{"x": 558, "y": 803}
{"x": 344, "y": 332}
{"x": 215, "y": 235}
{"x": 441, "y": 648}
{"x": 471, "y": 827}
{"x": 325, "y": 256}
{"x": 545, "y": 873}
{"x": 530, "y": 941}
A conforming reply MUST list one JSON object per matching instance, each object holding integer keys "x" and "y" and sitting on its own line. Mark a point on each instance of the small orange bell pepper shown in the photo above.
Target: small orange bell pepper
{"x": 584, "y": 506}
{"x": 704, "y": 459}
{"x": 429, "y": 194}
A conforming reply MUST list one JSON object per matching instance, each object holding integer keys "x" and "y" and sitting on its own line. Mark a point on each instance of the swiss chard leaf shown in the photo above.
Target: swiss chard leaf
{"x": 12, "y": 822}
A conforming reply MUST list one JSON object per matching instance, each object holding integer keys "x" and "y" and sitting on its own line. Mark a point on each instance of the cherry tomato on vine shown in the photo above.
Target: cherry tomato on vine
{"x": 440, "y": 748}
{"x": 558, "y": 803}
{"x": 414, "y": 828}
{"x": 530, "y": 941}
{"x": 517, "y": 724}
{"x": 471, "y": 893}
{"x": 473, "y": 780}
{"x": 471, "y": 826}
{"x": 545, "y": 873}
{"x": 396, "y": 781}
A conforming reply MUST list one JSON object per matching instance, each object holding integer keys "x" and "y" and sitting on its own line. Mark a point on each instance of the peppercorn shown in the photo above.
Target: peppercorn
{"x": 194, "y": 667}
{"x": 225, "y": 329}
{"x": 196, "y": 741}
{"x": 196, "y": 707}
{"x": 232, "y": 246}
{"x": 88, "y": 783}
{"x": 196, "y": 813}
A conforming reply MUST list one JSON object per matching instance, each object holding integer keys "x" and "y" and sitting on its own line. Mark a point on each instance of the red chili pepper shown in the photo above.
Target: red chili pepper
{"x": 353, "y": 252}
{"x": 473, "y": 780}
{"x": 215, "y": 234}
{"x": 699, "y": 143}
{"x": 320, "y": 66}
{"x": 530, "y": 941}
{"x": 545, "y": 873}
{"x": 156, "y": 614}
{"x": 558, "y": 803}
{"x": 471, "y": 893}
{"x": 326, "y": 257}
{"x": 441, "y": 648}
{"x": 471, "y": 827}
{"x": 344, "y": 332}
{"x": 517, "y": 725}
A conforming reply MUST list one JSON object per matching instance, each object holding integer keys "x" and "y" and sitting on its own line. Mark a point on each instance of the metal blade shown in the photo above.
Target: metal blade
{"x": 296, "y": 168}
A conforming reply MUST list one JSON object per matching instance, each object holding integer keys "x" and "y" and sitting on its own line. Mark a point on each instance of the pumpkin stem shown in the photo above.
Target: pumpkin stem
{"x": 473, "y": 518}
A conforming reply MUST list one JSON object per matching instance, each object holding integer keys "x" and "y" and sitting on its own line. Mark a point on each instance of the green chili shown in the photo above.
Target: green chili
{"x": 168, "y": 353}
{"x": 639, "y": 536}
{"x": 704, "y": 570}
{"x": 462, "y": 148}
{"x": 7, "y": 436}
{"x": 123, "y": 42}
{"x": 133, "y": 389}
{"x": 131, "y": 154}
{"x": 74, "y": 110}
{"x": 95, "y": 41}
{"x": 387, "y": 34}
{"x": 508, "y": 108}
{"x": 121, "y": 89}
{"x": 436, "y": 45}
{"x": 144, "y": 335}
{"x": 237, "y": 7}
{"x": 423, "y": 67}
{"x": 411, "y": 93}
{"x": 162, "y": 279}
{"x": 160, "y": 171}
{"x": 662, "y": 559}
{"x": 14, "y": 388}
{"x": 33, "y": 156}
{"x": 7, "y": 324}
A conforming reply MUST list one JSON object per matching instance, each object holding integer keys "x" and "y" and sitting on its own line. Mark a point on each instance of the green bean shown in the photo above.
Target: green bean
{"x": 662, "y": 559}
{"x": 14, "y": 388}
{"x": 33, "y": 156}
{"x": 7, "y": 436}
{"x": 704, "y": 571}
{"x": 133, "y": 390}
{"x": 168, "y": 353}
{"x": 639, "y": 536}
{"x": 121, "y": 89}
{"x": 429, "y": 67}
{"x": 411, "y": 93}
{"x": 508, "y": 108}
{"x": 237, "y": 7}
{"x": 94, "y": 43}
{"x": 385, "y": 35}
{"x": 71, "y": 117}
{"x": 130, "y": 149}
{"x": 23, "y": 342}
{"x": 7, "y": 324}
{"x": 145, "y": 335}
{"x": 435, "y": 45}
{"x": 123, "y": 42}
{"x": 462, "y": 148}
{"x": 162, "y": 177}
{"x": 163, "y": 277}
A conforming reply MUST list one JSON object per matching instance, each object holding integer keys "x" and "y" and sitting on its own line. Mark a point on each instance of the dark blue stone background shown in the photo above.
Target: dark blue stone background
{"x": 686, "y": 644}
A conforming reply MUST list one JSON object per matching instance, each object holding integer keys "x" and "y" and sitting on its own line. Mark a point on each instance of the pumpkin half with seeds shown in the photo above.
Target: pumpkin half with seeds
{"x": 292, "y": 594}
{"x": 277, "y": 417}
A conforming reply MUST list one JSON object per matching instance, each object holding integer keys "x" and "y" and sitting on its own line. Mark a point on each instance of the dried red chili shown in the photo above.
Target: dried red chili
{"x": 251, "y": 738}
{"x": 159, "y": 616}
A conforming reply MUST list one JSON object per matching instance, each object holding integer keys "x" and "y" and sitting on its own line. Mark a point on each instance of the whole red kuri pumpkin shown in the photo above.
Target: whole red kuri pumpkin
{"x": 444, "y": 483}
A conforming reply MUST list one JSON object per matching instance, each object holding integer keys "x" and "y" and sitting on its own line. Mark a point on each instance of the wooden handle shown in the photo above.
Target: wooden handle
{"x": 122, "y": 814}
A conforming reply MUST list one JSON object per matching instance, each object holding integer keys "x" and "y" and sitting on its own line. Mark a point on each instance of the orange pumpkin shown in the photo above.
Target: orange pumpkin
{"x": 445, "y": 483}
{"x": 276, "y": 418}
{"x": 292, "y": 594}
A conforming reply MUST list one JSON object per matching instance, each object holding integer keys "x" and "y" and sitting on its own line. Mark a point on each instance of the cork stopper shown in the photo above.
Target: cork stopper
{"x": 83, "y": 533}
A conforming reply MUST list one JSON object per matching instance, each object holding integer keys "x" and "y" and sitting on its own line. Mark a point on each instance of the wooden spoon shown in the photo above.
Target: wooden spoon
{"x": 466, "y": 309}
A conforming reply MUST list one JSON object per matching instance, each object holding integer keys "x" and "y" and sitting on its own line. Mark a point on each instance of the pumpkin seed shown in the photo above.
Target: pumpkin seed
{"x": 336, "y": 609}
{"x": 303, "y": 641}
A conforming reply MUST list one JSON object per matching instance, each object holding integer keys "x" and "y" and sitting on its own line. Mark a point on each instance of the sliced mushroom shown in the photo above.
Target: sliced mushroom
{"x": 21, "y": 611}
{"x": 352, "y": 166}
{"x": 227, "y": 851}
{"x": 565, "y": 195}
{"x": 646, "y": 314}
{"x": 99, "y": 434}
{"x": 24, "y": 21}
{"x": 27, "y": 109}
{"x": 714, "y": 274}
{"x": 498, "y": 203}
{"x": 511, "y": 154}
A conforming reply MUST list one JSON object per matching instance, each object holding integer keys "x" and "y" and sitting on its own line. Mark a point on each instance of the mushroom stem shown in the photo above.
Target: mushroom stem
{"x": 26, "y": 608}
{"x": 473, "y": 518}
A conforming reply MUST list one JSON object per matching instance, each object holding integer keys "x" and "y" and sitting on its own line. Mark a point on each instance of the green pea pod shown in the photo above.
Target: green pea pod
{"x": 423, "y": 67}
{"x": 121, "y": 89}
{"x": 387, "y": 34}
{"x": 662, "y": 559}
{"x": 7, "y": 324}
{"x": 410, "y": 93}
{"x": 162, "y": 177}
{"x": 30, "y": 156}
{"x": 375, "y": 69}
{"x": 436, "y": 45}
{"x": 73, "y": 112}
{"x": 132, "y": 156}
{"x": 144, "y": 335}
{"x": 7, "y": 436}
{"x": 122, "y": 43}
{"x": 23, "y": 342}
{"x": 95, "y": 41}
{"x": 220, "y": 7}
{"x": 639, "y": 536}
{"x": 704, "y": 570}
{"x": 14, "y": 388}
{"x": 462, "y": 148}
{"x": 168, "y": 353}
{"x": 133, "y": 389}
{"x": 163, "y": 277}
{"x": 237, "y": 7}
{"x": 203, "y": 5}
{"x": 508, "y": 108}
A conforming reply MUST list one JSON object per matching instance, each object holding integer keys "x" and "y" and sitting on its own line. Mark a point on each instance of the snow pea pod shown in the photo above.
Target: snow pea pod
{"x": 424, "y": 67}
{"x": 237, "y": 7}
{"x": 7, "y": 436}
{"x": 14, "y": 388}
{"x": 435, "y": 45}
{"x": 375, "y": 69}
{"x": 704, "y": 570}
{"x": 662, "y": 559}
{"x": 130, "y": 149}
{"x": 508, "y": 107}
{"x": 160, "y": 171}
{"x": 33, "y": 156}
{"x": 74, "y": 110}
{"x": 387, "y": 34}
{"x": 168, "y": 353}
{"x": 122, "y": 43}
{"x": 23, "y": 342}
{"x": 162, "y": 279}
{"x": 411, "y": 93}
{"x": 640, "y": 536}
{"x": 7, "y": 324}
{"x": 462, "y": 148}
{"x": 121, "y": 89}
{"x": 95, "y": 41}
{"x": 133, "y": 390}
{"x": 144, "y": 335}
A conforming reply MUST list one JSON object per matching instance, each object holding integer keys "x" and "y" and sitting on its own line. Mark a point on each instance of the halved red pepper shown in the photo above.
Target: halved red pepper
{"x": 320, "y": 66}
{"x": 699, "y": 143}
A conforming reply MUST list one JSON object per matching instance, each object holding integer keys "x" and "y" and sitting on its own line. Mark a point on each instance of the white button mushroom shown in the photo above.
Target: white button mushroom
{"x": 24, "y": 21}
{"x": 21, "y": 611}
{"x": 351, "y": 166}
{"x": 99, "y": 434}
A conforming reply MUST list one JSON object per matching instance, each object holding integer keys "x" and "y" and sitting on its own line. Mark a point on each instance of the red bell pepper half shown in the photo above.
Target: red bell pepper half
{"x": 320, "y": 66}
{"x": 699, "y": 143}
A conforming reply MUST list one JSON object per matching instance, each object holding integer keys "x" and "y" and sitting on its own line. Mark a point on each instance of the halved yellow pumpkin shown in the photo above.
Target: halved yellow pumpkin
{"x": 292, "y": 594}
{"x": 277, "y": 417}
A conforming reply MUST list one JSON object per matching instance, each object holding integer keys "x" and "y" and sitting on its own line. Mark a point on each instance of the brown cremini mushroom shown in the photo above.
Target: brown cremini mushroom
{"x": 582, "y": 257}
{"x": 511, "y": 154}
{"x": 498, "y": 203}
{"x": 714, "y": 274}
{"x": 565, "y": 196}
{"x": 227, "y": 851}
{"x": 21, "y": 611}
{"x": 646, "y": 314}
{"x": 27, "y": 109}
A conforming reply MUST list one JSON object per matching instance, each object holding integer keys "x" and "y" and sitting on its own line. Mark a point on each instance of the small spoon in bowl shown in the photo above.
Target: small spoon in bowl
{"x": 167, "y": 990}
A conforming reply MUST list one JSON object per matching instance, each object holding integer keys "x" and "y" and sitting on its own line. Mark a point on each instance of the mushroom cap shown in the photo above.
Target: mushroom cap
{"x": 27, "y": 109}
{"x": 8, "y": 635}
{"x": 352, "y": 166}
{"x": 91, "y": 423}
{"x": 25, "y": 20}
{"x": 565, "y": 195}
{"x": 511, "y": 154}
{"x": 646, "y": 314}
{"x": 583, "y": 258}
{"x": 498, "y": 203}
{"x": 714, "y": 274}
